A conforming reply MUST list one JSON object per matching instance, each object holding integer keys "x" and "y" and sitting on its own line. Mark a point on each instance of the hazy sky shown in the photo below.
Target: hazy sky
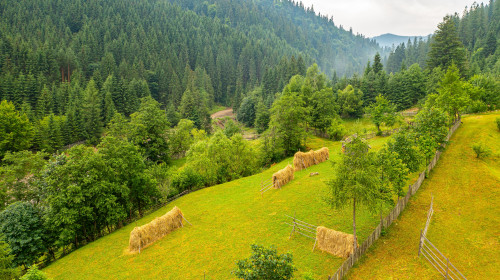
{"x": 400, "y": 17}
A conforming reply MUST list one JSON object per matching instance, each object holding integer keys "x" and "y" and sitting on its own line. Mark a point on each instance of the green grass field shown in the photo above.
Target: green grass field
{"x": 226, "y": 220}
{"x": 364, "y": 125}
{"x": 465, "y": 224}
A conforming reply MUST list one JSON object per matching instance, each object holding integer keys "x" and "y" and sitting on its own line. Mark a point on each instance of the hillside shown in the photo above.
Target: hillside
{"x": 464, "y": 226}
{"x": 226, "y": 219}
{"x": 233, "y": 42}
{"x": 393, "y": 40}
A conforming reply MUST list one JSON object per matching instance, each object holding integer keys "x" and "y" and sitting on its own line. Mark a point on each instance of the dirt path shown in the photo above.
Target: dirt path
{"x": 224, "y": 113}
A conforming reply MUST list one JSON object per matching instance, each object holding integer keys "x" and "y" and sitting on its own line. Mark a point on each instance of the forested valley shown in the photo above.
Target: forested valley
{"x": 103, "y": 101}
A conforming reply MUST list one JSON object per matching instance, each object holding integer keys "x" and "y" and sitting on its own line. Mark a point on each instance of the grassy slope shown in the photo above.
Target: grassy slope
{"x": 226, "y": 219}
{"x": 465, "y": 224}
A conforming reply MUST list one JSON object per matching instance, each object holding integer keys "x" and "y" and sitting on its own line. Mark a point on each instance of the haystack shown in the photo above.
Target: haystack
{"x": 145, "y": 235}
{"x": 334, "y": 242}
{"x": 303, "y": 160}
{"x": 282, "y": 177}
{"x": 322, "y": 154}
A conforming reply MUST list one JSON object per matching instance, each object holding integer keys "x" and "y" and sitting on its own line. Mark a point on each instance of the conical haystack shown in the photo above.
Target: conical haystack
{"x": 142, "y": 236}
{"x": 334, "y": 242}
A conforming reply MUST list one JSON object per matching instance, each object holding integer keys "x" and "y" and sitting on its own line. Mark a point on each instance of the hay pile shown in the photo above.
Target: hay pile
{"x": 304, "y": 160}
{"x": 334, "y": 242}
{"x": 323, "y": 154}
{"x": 142, "y": 236}
{"x": 282, "y": 177}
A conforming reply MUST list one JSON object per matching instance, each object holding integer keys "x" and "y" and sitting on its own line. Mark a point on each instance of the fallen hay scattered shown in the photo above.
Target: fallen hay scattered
{"x": 282, "y": 177}
{"x": 334, "y": 242}
{"x": 141, "y": 237}
{"x": 303, "y": 160}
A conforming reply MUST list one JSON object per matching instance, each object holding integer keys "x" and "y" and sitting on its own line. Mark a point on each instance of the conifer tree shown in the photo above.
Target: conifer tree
{"x": 92, "y": 112}
{"x": 446, "y": 47}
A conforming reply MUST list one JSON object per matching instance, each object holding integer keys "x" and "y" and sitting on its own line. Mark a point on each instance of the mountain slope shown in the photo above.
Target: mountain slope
{"x": 392, "y": 40}
{"x": 233, "y": 42}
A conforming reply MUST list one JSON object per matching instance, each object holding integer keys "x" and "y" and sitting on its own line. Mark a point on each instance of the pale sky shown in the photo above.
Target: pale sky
{"x": 400, "y": 17}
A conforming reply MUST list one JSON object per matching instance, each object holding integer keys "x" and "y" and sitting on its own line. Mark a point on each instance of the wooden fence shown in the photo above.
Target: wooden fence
{"x": 393, "y": 215}
{"x": 265, "y": 186}
{"x": 305, "y": 229}
{"x": 373, "y": 134}
{"x": 433, "y": 255}
{"x": 438, "y": 260}
{"x": 429, "y": 216}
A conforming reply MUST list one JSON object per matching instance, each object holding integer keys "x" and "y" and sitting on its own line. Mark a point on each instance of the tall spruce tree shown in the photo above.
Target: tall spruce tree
{"x": 92, "y": 112}
{"x": 446, "y": 47}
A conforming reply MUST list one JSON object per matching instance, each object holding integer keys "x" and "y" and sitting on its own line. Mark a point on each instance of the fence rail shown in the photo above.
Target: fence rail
{"x": 438, "y": 260}
{"x": 265, "y": 186}
{"x": 393, "y": 215}
{"x": 433, "y": 255}
{"x": 303, "y": 228}
{"x": 429, "y": 216}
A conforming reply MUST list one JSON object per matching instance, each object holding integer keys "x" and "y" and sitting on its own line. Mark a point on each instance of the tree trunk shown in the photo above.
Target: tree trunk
{"x": 354, "y": 223}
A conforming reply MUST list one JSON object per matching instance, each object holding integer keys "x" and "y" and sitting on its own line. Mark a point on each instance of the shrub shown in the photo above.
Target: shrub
{"x": 477, "y": 106}
{"x": 7, "y": 269}
{"x": 187, "y": 179}
{"x": 265, "y": 263}
{"x": 337, "y": 130}
{"x": 481, "y": 150}
{"x": 231, "y": 128}
{"x": 34, "y": 274}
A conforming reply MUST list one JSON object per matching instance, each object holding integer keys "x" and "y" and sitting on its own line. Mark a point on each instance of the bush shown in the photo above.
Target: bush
{"x": 187, "y": 179}
{"x": 477, "y": 106}
{"x": 481, "y": 150}
{"x": 498, "y": 123}
{"x": 34, "y": 274}
{"x": 163, "y": 174}
{"x": 337, "y": 130}
{"x": 265, "y": 264}
{"x": 231, "y": 128}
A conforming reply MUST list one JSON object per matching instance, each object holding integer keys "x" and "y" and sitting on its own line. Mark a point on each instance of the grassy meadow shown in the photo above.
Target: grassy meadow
{"x": 465, "y": 224}
{"x": 226, "y": 220}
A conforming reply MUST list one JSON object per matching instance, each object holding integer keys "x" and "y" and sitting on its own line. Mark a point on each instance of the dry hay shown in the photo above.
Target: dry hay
{"x": 282, "y": 177}
{"x": 141, "y": 237}
{"x": 303, "y": 160}
{"x": 334, "y": 242}
{"x": 322, "y": 154}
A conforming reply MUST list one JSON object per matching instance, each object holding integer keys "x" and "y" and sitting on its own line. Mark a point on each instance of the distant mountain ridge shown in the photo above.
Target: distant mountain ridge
{"x": 388, "y": 39}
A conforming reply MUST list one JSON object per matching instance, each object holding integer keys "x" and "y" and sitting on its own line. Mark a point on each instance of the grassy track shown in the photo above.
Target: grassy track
{"x": 465, "y": 224}
{"x": 226, "y": 219}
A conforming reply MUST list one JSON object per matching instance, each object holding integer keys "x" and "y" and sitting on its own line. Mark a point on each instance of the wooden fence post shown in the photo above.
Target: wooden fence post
{"x": 293, "y": 229}
{"x": 447, "y": 267}
{"x": 420, "y": 243}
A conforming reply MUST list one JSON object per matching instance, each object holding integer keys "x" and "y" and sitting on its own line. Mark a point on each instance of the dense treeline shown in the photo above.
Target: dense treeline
{"x": 187, "y": 55}
{"x": 477, "y": 28}
{"x": 413, "y": 71}
{"x": 44, "y": 43}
